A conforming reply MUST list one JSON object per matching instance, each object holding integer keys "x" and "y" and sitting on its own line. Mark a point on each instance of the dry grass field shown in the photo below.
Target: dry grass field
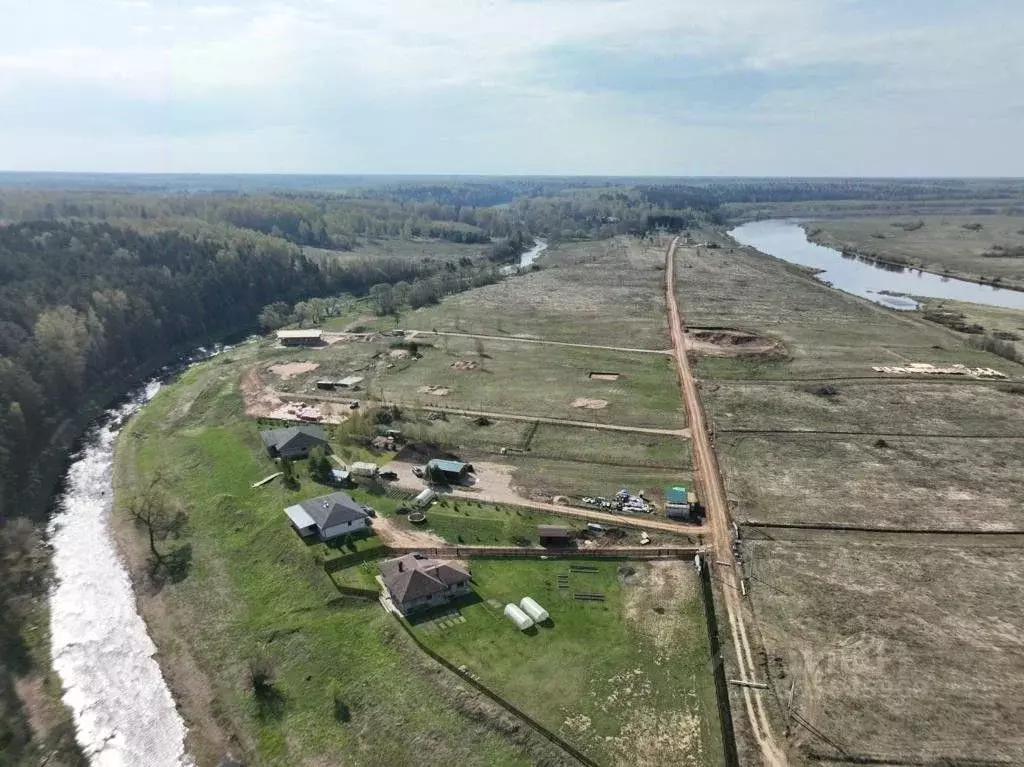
{"x": 902, "y": 483}
{"x": 895, "y": 407}
{"x": 894, "y": 654}
{"x": 825, "y": 333}
{"x": 888, "y": 649}
{"x": 973, "y": 246}
{"x": 608, "y": 293}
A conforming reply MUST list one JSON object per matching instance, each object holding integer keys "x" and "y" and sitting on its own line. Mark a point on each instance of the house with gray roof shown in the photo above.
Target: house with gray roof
{"x": 414, "y": 582}
{"x": 328, "y": 516}
{"x": 294, "y": 441}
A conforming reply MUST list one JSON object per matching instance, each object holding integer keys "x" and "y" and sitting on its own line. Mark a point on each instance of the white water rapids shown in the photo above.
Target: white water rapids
{"x": 124, "y": 714}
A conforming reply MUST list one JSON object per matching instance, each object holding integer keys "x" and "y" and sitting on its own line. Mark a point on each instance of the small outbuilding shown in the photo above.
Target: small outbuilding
{"x": 444, "y": 472}
{"x": 294, "y": 442}
{"x": 554, "y": 535}
{"x": 328, "y": 516}
{"x": 300, "y": 337}
{"x": 364, "y": 469}
{"x": 680, "y": 503}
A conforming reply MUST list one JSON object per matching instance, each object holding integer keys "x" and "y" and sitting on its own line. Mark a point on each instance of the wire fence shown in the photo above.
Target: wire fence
{"x": 477, "y": 685}
{"x": 511, "y": 552}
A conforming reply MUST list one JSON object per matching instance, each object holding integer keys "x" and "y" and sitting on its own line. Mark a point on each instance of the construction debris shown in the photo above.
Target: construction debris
{"x": 926, "y": 368}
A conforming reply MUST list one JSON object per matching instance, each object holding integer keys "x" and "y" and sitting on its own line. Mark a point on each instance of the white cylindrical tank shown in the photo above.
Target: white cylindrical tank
{"x": 521, "y": 619}
{"x": 534, "y": 610}
{"x": 425, "y": 497}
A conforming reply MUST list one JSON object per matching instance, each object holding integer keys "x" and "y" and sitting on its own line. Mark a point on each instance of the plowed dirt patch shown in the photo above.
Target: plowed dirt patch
{"x": 288, "y": 370}
{"x": 590, "y": 404}
{"x": 436, "y": 391}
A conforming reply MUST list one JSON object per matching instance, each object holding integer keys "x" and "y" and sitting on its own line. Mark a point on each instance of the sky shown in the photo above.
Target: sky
{"x": 588, "y": 87}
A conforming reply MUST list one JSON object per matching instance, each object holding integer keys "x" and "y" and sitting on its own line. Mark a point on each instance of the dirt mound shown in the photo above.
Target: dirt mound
{"x": 288, "y": 370}
{"x": 729, "y": 343}
{"x": 590, "y": 404}
{"x": 465, "y": 365}
{"x": 436, "y": 391}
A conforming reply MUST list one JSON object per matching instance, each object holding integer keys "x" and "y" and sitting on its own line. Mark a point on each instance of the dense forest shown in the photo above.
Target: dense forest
{"x": 89, "y": 308}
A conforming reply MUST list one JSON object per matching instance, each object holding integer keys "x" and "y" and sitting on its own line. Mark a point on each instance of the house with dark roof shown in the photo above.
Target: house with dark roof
{"x": 294, "y": 441}
{"x": 328, "y": 516}
{"x": 414, "y": 582}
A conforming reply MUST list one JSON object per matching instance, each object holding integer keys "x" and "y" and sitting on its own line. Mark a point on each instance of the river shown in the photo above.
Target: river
{"x": 787, "y": 240}
{"x": 124, "y": 713}
{"x": 527, "y": 258}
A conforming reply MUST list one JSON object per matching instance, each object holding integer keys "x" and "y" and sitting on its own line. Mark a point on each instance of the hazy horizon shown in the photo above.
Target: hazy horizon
{"x": 648, "y": 88}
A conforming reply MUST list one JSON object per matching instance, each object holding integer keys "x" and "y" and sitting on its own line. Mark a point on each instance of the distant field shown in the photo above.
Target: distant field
{"x": 625, "y": 680}
{"x": 942, "y": 484}
{"x": 965, "y": 245}
{"x": 895, "y": 654}
{"x": 608, "y": 292}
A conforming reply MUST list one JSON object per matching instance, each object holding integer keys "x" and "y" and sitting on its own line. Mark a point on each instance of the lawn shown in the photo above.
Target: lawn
{"x": 254, "y": 589}
{"x": 625, "y": 680}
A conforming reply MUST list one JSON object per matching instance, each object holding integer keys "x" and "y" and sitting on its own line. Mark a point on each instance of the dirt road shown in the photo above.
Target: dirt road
{"x": 497, "y": 489}
{"x": 552, "y": 421}
{"x": 521, "y": 339}
{"x": 709, "y": 479}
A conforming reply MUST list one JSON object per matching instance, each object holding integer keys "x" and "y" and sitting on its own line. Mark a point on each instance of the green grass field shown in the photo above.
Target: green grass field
{"x": 540, "y": 380}
{"x": 255, "y": 588}
{"x": 625, "y": 679}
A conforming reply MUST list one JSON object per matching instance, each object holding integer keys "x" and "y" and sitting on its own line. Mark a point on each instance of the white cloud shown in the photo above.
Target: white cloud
{"x": 327, "y": 82}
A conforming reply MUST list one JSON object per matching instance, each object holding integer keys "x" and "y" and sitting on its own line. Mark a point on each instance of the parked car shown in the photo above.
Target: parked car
{"x": 390, "y": 476}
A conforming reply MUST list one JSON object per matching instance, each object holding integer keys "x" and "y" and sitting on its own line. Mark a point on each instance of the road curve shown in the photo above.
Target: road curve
{"x": 712, "y": 488}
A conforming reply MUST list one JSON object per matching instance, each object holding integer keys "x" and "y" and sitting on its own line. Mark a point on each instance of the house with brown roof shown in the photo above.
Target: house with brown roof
{"x": 413, "y": 582}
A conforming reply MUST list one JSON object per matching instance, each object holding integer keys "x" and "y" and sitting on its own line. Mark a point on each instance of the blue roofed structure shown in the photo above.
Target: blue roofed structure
{"x": 447, "y": 472}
